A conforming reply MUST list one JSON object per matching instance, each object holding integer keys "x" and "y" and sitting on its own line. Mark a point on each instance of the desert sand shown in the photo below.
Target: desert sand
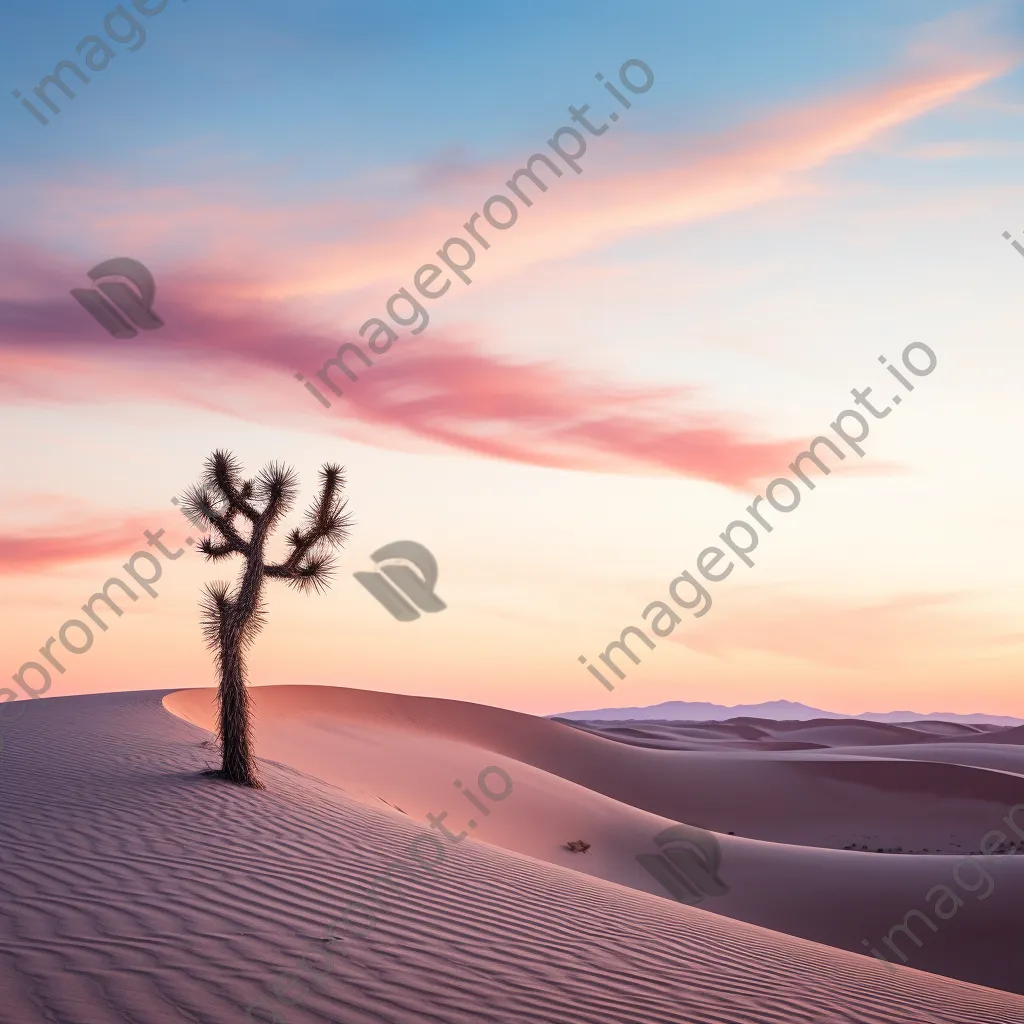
{"x": 137, "y": 889}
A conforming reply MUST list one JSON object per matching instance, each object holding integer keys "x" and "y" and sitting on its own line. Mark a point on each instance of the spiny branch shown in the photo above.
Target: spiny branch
{"x": 224, "y": 472}
{"x": 201, "y": 510}
{"x": 277, "y": 485}
{"x": 214, "y": 607}
{"x": 315, "y": 573}
{"x": 215, "y": 552}
{"x": 310, "y": 566}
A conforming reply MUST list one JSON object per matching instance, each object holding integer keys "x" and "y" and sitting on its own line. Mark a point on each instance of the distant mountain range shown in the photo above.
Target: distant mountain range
{"x": 777, "y": 710}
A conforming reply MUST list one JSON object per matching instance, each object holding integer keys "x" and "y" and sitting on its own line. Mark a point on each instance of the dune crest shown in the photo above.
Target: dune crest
{"x": 136, "y": 889}
{"x": 794, "y": 814}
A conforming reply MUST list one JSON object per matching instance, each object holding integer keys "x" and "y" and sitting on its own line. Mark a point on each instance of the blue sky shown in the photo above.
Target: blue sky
{"x": 804, "y": 187}
{"x": 356, "y": 85}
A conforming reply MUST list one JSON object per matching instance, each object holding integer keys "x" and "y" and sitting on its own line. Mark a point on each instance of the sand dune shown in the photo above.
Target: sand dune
{"x": 738, "y": 732}
{"x": 136, "y": 889}
{"x": 580, "y": 785}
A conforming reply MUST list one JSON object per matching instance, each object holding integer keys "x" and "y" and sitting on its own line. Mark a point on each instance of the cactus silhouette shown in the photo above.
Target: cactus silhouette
{"x": 241, "y": 515}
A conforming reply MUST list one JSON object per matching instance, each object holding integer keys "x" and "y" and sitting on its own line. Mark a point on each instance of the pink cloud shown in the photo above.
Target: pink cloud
{"x": 38, "y": 549}
{"x": 546, "y": 414}
{"x": 444, "y": 392}
{"x": 228, "y": 344}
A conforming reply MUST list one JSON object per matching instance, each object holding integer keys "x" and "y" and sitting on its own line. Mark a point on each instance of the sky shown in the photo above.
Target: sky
{"x": 800, "y": 191}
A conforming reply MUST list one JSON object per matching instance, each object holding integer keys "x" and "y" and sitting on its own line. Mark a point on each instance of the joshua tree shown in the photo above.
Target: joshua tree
{"x": 241, "y": 515}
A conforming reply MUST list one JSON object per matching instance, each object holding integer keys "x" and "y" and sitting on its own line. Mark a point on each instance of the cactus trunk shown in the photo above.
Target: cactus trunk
{"x": 235, "y": 717}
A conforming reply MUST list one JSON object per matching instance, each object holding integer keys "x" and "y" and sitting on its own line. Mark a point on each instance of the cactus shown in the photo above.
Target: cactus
{"x": 241, "y": 515}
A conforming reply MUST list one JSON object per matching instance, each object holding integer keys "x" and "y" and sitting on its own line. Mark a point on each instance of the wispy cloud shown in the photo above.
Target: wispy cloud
{"x": 631, "y": 184}
{"x": 233, "y": 343}
{"x": 39, "y": 549}
{"x": 439, "y": 390}
{"x": 550, "y": 415}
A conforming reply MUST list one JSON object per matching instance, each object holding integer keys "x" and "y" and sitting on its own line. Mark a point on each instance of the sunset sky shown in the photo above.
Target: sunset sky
{"x": 804, "y": 188}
